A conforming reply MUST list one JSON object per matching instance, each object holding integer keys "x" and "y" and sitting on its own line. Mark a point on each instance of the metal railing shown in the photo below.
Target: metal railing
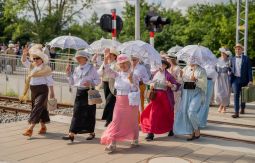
{"x": 12, "y": 65}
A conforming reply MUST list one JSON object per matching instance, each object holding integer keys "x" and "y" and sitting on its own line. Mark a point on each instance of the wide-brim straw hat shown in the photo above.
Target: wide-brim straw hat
{"x": 223, "y": 50}
{"x": 38, "y": 53}
{"x": 114, "y": 51}
{"x": 238, "y": 45}
{"x": 122, "y": 58}
{"x": 82, "y": 53}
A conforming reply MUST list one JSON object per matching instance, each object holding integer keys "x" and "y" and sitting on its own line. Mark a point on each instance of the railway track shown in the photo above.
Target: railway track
{"x": 17, "y": 100}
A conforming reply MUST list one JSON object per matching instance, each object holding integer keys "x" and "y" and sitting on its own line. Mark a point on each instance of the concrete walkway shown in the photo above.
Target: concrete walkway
{"x": 50, "y": 148}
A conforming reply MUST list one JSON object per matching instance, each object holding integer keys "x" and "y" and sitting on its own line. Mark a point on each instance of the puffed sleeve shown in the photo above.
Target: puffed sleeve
{"x": 50, "y": 81}
{"x": 95, "y": 77}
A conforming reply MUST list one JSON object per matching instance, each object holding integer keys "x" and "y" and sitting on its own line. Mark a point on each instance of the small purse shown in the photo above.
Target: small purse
{"x": 52, "y": 104}
{"x": 94, "y": 97}
{"x": 151, "y": 94}
{"x": 189, "y": 85}
{"x": 134, "y": 98}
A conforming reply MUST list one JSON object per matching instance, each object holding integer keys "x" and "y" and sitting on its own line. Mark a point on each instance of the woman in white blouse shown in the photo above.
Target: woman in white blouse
{"x": 40, "y": 82}
{"x": 124, "y": 125}
{"x": 84, "y": 115}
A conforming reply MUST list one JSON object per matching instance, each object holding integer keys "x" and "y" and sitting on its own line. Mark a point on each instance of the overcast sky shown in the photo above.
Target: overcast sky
{"x": 104, "y": 6}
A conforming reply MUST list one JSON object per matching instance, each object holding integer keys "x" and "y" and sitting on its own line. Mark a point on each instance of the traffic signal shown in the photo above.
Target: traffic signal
{"x": 155, "y": 23}
{"x": 106, "y": 23}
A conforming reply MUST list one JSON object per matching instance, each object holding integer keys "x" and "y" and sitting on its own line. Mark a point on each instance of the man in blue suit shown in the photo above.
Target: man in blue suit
{"x": 241, "y": 76}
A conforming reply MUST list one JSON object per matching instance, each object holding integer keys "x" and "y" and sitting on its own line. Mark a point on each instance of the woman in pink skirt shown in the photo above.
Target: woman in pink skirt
{"x": 158, "y": 116}
{"x": 124, "y": 126}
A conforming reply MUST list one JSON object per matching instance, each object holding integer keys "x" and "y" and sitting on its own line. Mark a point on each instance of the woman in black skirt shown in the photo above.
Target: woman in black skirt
{"x": 84, "y": 115}
{"x": 40, "y": 82}
{"x": 108, "y": 84}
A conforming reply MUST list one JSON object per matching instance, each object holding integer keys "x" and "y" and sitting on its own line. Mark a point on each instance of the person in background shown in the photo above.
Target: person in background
{"x": 193, "y": 96}
{"x": 222, "y": 83}
{"x": 11, "y": 60}
{"x": 84, "y": 115}
{"x": 240, "y": 76}
{"x": 140, "y": 71}
{"x": 108, "y": 85}
{"x": 175, "y": 70}
{"x": 53, "y": 55}
{"x": 40, "y": 82}
{"x": 158, "y": 116}
{"x": 124, "y": 125}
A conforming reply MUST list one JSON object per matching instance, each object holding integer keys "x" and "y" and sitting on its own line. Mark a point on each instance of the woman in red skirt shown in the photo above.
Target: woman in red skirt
{"x": 158, "y": 116}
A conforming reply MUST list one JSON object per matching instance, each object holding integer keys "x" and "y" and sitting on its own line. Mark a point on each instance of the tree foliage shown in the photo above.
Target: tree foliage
{"x": 211, "y": 25}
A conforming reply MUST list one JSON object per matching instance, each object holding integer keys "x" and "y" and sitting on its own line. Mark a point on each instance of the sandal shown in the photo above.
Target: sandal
{"x": 28, "y": 133}
{"x": 42, "y": 130}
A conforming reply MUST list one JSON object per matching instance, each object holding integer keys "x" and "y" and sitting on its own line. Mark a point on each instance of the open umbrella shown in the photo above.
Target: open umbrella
{"x": 199, "y": 54}
{"x": 99, "y": 45}
{"x": 145, "y": 51}
{"x": 69, "y": 42}
{"x": 174, "y": 50}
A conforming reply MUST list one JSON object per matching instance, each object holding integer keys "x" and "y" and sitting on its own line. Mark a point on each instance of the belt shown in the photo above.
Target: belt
{"x": 84, "y": 88}
{"x": 209, "y": 78}
{"x": 122, "y": 93}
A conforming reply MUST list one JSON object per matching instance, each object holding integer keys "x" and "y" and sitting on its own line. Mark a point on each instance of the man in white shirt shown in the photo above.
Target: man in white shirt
{"x": 241, "y": 76}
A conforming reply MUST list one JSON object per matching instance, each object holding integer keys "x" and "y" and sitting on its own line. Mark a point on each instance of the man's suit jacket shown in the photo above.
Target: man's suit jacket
{"x": 246, "y": 70}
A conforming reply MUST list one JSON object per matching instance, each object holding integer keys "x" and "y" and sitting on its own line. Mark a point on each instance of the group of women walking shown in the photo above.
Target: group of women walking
{"x": 178, "y": 98}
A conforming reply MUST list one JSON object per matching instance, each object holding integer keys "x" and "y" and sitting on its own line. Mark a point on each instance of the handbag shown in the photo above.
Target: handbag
{"x": 189, "y": 85}
{"x": 52, "y": 104}
{"x": 94, "y": 97}
{"x": 151, "y": 94}
{"x": 134, "y": 98}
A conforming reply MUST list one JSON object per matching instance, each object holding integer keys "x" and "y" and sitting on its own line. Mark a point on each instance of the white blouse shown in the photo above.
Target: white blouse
{"x": 122, "y": 83}
{"x": 47, "y": 80}
{"x": 82, "y": 74}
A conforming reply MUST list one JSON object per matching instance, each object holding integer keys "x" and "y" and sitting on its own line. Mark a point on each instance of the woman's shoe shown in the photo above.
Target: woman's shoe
{"x": 91, "y": 136}
{"x": 111, "y": 148}
{"x": 134, "y": 144}
{"x": 68, "y": 137}
{"x": 42, "y": 130}
{"x": 192, "y": 137}
{"x": 171, "y": 133}
{"x": 150, "y": 137}
{"x": 197, "y": 137}
{"x": 28, "y": 133}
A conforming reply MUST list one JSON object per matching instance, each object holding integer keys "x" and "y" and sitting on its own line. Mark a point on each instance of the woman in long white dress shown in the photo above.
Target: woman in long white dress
{"x": 222, "y": 83}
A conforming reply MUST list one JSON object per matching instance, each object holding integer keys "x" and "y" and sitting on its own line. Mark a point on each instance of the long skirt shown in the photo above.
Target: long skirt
{"x": 203, "y": 112}
{"x": 222, "y": 89}
{"x": 158, "y": 116}
{"x": 39, "y": 112}
{"x": 110, "y": 100}
{"x": 124, "y": 125}
{"x": 84, "y": 115}
{"x": 186, "y": 118}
